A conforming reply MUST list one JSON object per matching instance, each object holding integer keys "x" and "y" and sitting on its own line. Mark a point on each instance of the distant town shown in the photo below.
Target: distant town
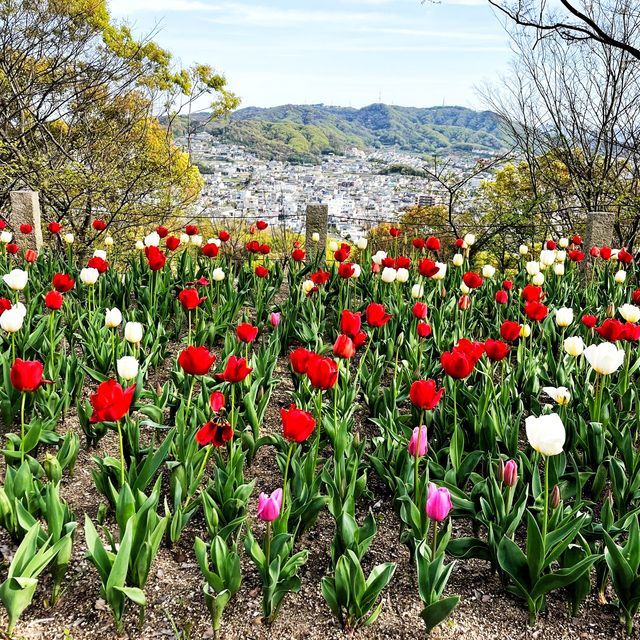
{"x": 359, "y": 195}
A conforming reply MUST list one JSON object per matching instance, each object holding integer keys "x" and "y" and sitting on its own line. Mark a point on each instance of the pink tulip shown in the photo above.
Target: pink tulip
{"x": 438, "y": 503}
{"x": 274, "y": 318}
{"x": 269, "y": 506}
{"x": 413, "y": 443}
{"x": 510, "y": 474}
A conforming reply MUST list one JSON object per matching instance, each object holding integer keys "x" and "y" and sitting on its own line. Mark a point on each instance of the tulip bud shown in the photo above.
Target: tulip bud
{"x": 113, "y": 318}
{"x": 6, "y": 237}
{"x": 11, "y": 320}
{"x": 418, "y": 444}
{"x": 402, "y": 275}
{"x": 362, "y": 244}
{"x": 554, "y": 498}
{"x": 469, "y": 239}
{"x": 417, "y": 291}
{"x": 269, "y": 506}
{"x": 620, "y": 277}
{"x": 611, "y": 310}
{"x": 558, "y": 269}
{"x": 108, "y": 241}
{"x": 564, "y": 316}
{"x": 538, "y": 280}
{"x": 457, "y": 260}
{"x": 127, "y": 368}
{"x": 574, "y": 346}
{"x": 133, "y": 332}
{"x": 333, "y": 246}
{"x": 52, "y": 468}
{"x": 315, "y": 237}
{"x": 184, "y": 238}
{"x": 218, "y": 274}
{"x": 510, "y": 473}
{"x": 464, "y": 302}
{"x": 561, "y": 256}
{"x": 563, "y": 242}
{"x": 523, "y": 249}
{"x": 68, "y": 238}
{"x": 525, "y": 331}
{"x": 464, "y": 288}
{"x": 275, "y": 318}
{"x": 307, "y": 286}
{"x": 488, "y": 271}
{"x": 532, "y": 267}
{"x": 389, "y": 274}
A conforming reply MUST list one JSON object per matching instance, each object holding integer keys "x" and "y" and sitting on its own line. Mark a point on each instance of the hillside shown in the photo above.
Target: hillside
{"x": 305, "y": 132}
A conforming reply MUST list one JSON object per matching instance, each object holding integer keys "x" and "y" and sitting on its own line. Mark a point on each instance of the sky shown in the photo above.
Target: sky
{"x": 338, "y": 52}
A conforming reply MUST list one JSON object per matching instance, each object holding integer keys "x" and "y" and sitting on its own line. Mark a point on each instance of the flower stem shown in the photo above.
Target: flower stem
{"x": 546, "y": 502}
{"x": 434, "y": 540}
{"x": 286, "y": 475}
{"x": 121, "y": 453}
{"x": 24, "y": 398}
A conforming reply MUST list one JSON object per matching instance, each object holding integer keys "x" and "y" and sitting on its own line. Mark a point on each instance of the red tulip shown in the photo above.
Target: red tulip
{"x": 394, "y": 232}
{"x": 196, "y": 361}
{"x": 261, "y": 271}
{"x": 464, "y": 302}
{"x": 98, "y": 263}
{"x": 343, "y": 347}
{"x": 320, "y": 277}
{"x": 420, "y": 310}
{"x": 456, "y": 363}
{"x": 423, "y": 329}
{"x": 419, "y": 243}
{"x": 216, "y": 432}
{"x": 191, "y": 230}
{"x": 425, "y": 395}
{"x": 99, "y": 225}
{"x": 262, "y": 225}
{"x": 12, "y": 248}
{"x": 235, "y": 371}
{"x": 26, "y": 375}
{"x": 605, "y": 253}
{"x": 594, "y": 252}
{"x": 459, "y": 243}
{"x": 216, "y": 401}
{"x": 575, "y": 255}
{"x": 346, "y": 270}
{"x": 111, "y": 402}
{"x": 507, "y": 285}
{"x": 299, "y": 359}
{"x": 536, "y": 311}
{"x": 190, "y": 299}
{"x": 550, "y": 245}
{"x": 576, "y": 239}
{"x": 322, "y": 372}
{"x": 350, "y": 323}
{"x": 624, "y": 256}
{"x": 172, "y": 243}
{"x": 635, "y": 296}
{"x": 589, "y": 321}
{"x": 224, "y": 236}
{"x": 630, "y": 332}
{"x": 62, "y": 282}
{"x": 473, "y": 349}
{"x": 246, "y": 332}
{"x": 403, "y": 262}
{"x": 611, "y": 329}
{"x": 532, "y": 294}
{"x": 496, "y": 350}
{"x": 264, "y": 249}
{"x": 297, "y": 425}
{"x": 26, "y": 228}
{"x": 5, "y": 304}
{"x": 472, "y": 280}
{"x": 210, "y": 250}
{"x": 53, "y": 300}
{"x": 376, "y": 315}
{"x": 298, "y": 255}
{"x": 155, "y": 258}
{"x": 163, "y": 232}
{"x": 433, "y": 244}
{"x": 427, "y": 268}
{"x": 510, "y": 330}
{"x": 360, "y": 339}
{"x": 30, "y": 255}
{"x": 502, "y": 297}
{"x": 54, "y": 227}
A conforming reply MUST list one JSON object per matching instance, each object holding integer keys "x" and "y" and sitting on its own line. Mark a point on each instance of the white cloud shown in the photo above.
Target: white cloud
{"x": 138, "y": 6}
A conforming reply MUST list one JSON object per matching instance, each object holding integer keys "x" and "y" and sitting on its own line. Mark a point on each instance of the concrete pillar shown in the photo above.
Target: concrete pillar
{"x": 599, "y": 233}
{"x": 25, "y": 209}
{"x": 317, "y": 218}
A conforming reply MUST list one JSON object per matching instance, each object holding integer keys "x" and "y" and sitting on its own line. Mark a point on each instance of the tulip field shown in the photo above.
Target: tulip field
{"x": 396, "y": 442}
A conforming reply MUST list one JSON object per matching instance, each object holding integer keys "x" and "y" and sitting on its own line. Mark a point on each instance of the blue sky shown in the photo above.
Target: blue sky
{"x": 342, "y": 52}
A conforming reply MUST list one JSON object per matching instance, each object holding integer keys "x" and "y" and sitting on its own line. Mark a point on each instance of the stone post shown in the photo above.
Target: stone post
{"x": 317, "y": 217}
{"x": 25, "y": 209}
{"x": 599, "y": 233}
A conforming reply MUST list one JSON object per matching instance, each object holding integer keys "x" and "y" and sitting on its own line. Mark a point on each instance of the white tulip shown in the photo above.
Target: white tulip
{"x": 469, "y": 239}
{"x": 362, "y": 243}
{"x": 547, "y": 257}
{"x": 546, "y": 434}
{"x": 152, "y": 239}
{"x": 538, "y": 279}
{"x": 89, "y": 276}
{"x": 315, "y": 237}
{"x": 108, "y": 241}
{"x": 133, "y": 332}
{"x": 379, "y": 257}
{"x": 6, "y": 237}
{"x": 11, "y": 320}
{"x": 139, "y": 245}
{"x": 100, "y": 253}
{"x": 389, "y": 274}
{"x": 604, "y": 358}
{"x": 442, "y": 271}
{"x": 128, "y": 367}
{"x": 112, "y": 318}
{"x": 307, "y": 286}
{"x": 333, "y": 246}
{"x": 564, "y": 316}
{"x": 630, "y": 312}
{"x": 532, "y": 267}
{"x": 68, "y": 238}
{"x": 457, "y": 260}
{"x": 417, "y": 291}
{"x": 620, "y": 277}
{"x": 563, "y": 243}
{"x": 196, "y": 241}
{"x": 523, "y": 249}
{"x": 184, "y": 239}
{"x": 488, "y": 271}
{"x": 560, "y": 395}
{"x": 215, "y": 241}
{"x": 218, "y": 274}
{"x": 357, "y": 271}
{"x": 16, "y": 279}
{"x": 574, "y": 346}
{"x": 561, "y": 256}
{"x": 525, "y": 331}
{"x": 558, "y": 269}
{"x": 403, "y": 275}
{"x": 464, "y": 288}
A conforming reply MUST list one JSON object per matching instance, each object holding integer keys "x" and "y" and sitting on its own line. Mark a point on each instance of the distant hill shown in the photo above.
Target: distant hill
{"x": 305, "y": 132}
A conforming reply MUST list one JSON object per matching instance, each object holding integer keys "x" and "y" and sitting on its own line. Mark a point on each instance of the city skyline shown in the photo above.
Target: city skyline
{"x": 341, "y": 52}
